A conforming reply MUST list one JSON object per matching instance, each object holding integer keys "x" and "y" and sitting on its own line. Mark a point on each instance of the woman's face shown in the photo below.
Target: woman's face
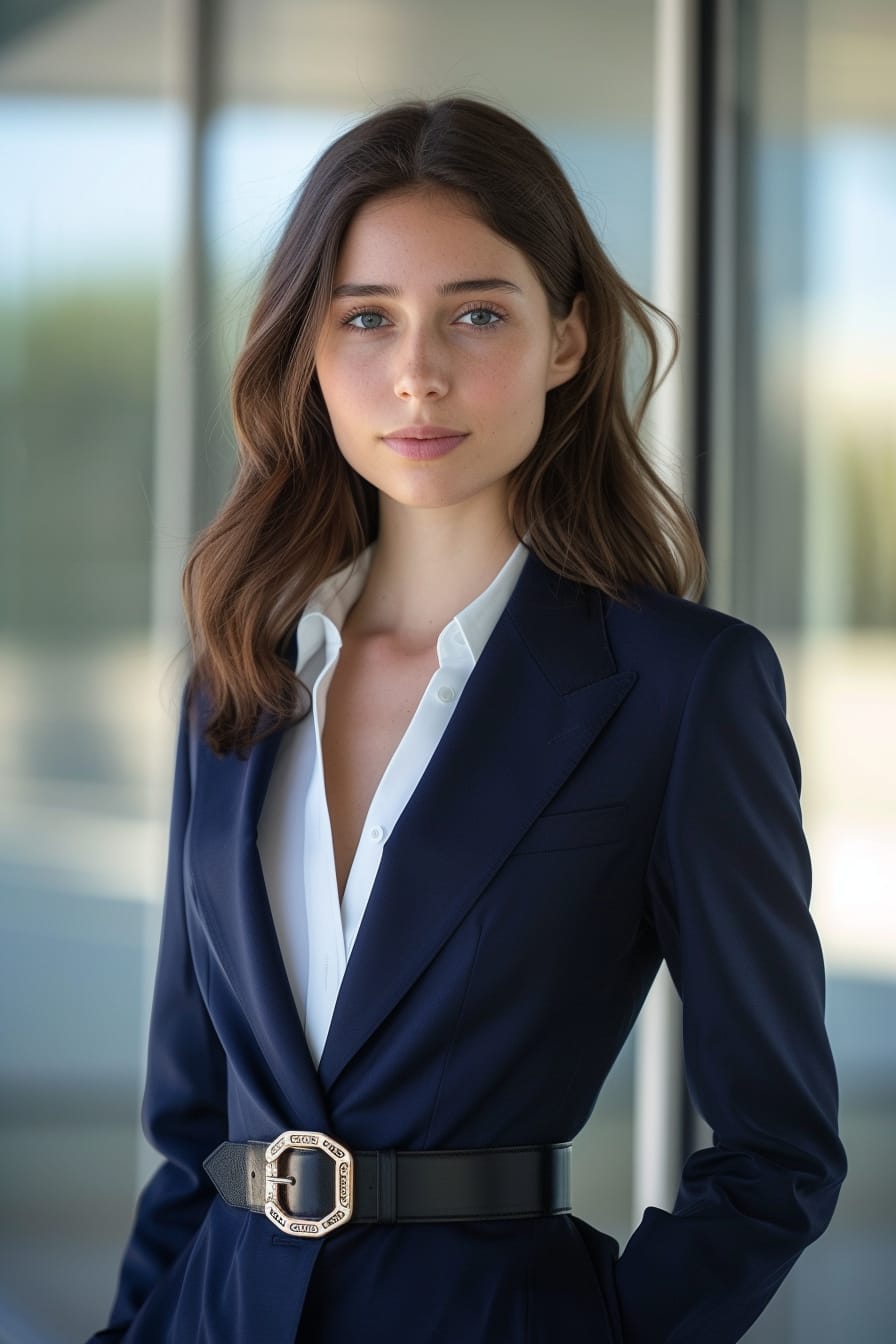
{"x": 438, "y": 326}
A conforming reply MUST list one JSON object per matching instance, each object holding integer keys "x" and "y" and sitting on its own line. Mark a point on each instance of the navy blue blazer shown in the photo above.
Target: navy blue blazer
{"x": 617, "y": 785}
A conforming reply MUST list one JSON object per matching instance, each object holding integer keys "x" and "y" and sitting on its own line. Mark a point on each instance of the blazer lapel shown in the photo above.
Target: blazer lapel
{"x": 233, "y": 899}
{"x": 545, "y": 686}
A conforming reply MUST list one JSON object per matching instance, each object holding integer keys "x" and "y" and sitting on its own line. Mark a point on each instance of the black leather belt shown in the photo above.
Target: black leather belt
{"x": 308, "y": 1184}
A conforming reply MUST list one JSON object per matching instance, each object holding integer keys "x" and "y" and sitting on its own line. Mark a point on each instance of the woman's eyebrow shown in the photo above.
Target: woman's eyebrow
{"x": 357, "y": 291}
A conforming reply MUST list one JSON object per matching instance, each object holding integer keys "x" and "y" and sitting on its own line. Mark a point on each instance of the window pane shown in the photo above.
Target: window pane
{"x": 814, "y": 543}
{"x": 84, "y": 232}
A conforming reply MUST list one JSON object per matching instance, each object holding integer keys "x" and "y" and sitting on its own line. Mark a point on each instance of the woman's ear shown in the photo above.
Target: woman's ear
{"x": 570, "y": 343}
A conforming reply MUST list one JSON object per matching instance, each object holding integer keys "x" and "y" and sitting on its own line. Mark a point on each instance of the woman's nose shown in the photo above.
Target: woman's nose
{"x": 422, "y": 370}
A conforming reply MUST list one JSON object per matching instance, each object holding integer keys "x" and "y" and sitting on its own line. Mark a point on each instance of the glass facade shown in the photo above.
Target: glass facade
{"x": 142, "y": 195}
{"x": 85, "y": 237}
{"x": 803, "y": 544}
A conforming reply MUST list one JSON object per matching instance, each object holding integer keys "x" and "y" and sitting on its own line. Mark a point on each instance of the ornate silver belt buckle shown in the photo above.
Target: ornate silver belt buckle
{"x": 305, "y": 1141}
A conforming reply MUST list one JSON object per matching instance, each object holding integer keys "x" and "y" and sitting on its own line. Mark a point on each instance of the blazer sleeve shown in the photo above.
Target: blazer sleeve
{"x": 184, "y": 1104}
{"x": 728, "y": 885}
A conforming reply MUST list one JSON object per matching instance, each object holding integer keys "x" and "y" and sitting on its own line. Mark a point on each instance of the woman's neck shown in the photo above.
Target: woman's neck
{"x": 427, "y": 565}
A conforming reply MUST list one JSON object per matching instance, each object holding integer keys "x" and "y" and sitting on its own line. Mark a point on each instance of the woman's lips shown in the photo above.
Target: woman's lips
{"x": 429, "y": 447}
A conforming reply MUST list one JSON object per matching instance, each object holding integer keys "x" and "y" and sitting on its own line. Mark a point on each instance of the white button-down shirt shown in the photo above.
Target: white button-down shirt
{"x": 295, "y": 841}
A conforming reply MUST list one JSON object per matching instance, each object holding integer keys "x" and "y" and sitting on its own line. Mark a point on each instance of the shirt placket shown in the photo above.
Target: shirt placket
{"x": 326, "y": 943}
{"x": 403, "y": 774}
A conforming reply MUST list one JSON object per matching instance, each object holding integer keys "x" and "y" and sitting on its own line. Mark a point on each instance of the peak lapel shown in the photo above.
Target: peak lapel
{"x": 233, "y": 900}
{"x": 543, "y": 689}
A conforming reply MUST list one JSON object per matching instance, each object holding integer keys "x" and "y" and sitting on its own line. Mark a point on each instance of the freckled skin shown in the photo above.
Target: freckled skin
{"x": 480, "y": 362}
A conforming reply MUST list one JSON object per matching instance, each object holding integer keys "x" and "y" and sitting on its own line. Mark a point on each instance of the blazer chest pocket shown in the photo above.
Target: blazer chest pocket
{"x": 575, "y": 830}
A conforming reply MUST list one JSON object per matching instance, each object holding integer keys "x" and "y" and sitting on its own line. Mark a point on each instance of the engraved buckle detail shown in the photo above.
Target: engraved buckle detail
{"x": 305, "y": 1141}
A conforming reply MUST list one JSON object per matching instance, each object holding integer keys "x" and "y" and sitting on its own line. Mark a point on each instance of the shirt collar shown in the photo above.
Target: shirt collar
{"x": 333, "y": 598}
{"x": 329, "y": 605}
{"x": 479, "y": 618}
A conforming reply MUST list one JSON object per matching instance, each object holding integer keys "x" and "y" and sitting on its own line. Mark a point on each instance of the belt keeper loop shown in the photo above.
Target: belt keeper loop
{"x": 385, "y": 1185}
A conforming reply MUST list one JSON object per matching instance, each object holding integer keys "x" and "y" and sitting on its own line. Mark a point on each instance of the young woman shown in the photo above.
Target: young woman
{"x": 460, "y": 761}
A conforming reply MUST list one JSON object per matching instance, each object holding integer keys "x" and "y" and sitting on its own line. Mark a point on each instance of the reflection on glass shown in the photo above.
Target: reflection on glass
{"x": 819, "y": 525}
{"x": 85, "y": 231}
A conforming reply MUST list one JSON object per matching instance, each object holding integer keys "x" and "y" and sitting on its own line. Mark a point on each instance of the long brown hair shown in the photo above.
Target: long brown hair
{"x": 593, "y": 505}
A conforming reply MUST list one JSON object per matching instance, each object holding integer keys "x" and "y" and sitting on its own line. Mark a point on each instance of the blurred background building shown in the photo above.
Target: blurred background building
{"x": 738, "y": 160}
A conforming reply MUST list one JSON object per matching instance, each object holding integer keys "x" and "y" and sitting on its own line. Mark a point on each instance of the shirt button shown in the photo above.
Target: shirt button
{"x": 445, "y": 694}
{"x": 376, "y": 833}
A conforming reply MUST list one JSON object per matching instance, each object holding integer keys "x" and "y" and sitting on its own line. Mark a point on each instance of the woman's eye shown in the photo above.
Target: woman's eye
{"x": 482, "y": 317}
{"x": 365, "y": 321}
{"x": 368, "y": 319}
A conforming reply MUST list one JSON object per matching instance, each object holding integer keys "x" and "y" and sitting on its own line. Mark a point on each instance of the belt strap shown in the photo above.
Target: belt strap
{"x": 431, "y": 1185}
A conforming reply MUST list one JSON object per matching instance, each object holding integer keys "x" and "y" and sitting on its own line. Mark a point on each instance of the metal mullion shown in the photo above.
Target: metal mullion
{"x": 659, "y": 1068}
{"x": 184, "y": 82}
